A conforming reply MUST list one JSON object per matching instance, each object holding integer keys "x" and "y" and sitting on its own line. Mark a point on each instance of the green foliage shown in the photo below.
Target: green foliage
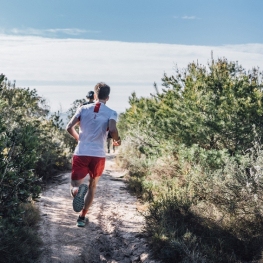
{"x": 74, "y": 107}
{"x": 214, "y": 107}
{"x": 181, "y": 235}
{"x": 32, "y": 150}
{"x": 53, "y": 152}
{"x": 20, "y": 242}
{"x": 194, "y": 151}
{"x": 18, "y": 153}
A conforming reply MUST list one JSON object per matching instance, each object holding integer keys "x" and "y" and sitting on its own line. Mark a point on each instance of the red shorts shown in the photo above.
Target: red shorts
{"x": 83, "y": 165}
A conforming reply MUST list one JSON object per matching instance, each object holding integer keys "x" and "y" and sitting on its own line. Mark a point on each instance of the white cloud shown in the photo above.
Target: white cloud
{"x": 187, "y": 17}
{"x": 46, "y": 32}
{"x": 70, "y": 31}
{"x": 27, "y": 31}
{"x": 63, "y": 70}
{"x": 190, "y": 17}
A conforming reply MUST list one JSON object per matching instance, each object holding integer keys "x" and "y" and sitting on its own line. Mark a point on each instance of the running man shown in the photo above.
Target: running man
{"x": 89, "y": 155}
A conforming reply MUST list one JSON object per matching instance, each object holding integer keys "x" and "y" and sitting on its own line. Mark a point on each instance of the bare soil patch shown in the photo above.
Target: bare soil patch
{"x": 114, "y": 232}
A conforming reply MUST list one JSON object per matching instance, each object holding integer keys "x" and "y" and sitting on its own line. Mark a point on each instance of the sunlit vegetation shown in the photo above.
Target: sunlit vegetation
{"x": 33, "y": 150}
{"x": 194, "y": 153}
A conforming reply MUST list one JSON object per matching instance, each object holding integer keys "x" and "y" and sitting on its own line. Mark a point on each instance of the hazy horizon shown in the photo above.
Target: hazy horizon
{"x": 63, "y": 70}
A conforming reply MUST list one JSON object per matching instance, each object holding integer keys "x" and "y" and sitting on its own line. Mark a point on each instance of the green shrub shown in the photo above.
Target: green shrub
{"x": 31, "y": 146}
{"x": 32, "y": 152}
{"x": 201, "y": 211}
{"x": 180, "y": 235}
{"x": 194, "y": 151}
{"x": 19, "y": 241}
{"x": 213, "y": 106}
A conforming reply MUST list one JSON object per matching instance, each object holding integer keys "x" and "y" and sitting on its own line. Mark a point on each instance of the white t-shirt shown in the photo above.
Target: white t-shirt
{"x": 94, "y": 123}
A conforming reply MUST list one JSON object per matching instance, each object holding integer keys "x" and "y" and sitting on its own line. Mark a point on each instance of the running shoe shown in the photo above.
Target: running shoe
{"x": 78, "y": 201}
{"x": 81, "y": 221}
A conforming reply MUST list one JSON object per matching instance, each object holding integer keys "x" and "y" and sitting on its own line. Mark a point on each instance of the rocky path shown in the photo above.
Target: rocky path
{"x": 113, "y": 234}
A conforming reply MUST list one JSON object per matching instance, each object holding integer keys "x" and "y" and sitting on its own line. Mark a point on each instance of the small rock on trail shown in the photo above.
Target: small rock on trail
{"x": 113, "y": 233}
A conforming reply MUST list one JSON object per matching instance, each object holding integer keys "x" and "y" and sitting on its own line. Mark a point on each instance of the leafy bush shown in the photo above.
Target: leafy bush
{"x": 32, "y": 146}
{"x": 32, "y": 151}
{"x": 194, "y": 151}
{"x": 214, "y": 107}
{"x": 19, "y": 242}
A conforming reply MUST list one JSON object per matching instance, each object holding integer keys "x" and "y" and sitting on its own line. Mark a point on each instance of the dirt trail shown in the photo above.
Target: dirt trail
{"x": 113, "y": 234}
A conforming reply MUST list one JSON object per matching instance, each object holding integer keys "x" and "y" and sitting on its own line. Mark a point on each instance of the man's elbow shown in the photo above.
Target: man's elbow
{"x": 68, "y": 128}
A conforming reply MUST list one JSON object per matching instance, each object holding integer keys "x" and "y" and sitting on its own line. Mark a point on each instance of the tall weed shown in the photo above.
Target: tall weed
{"x": 198, "y": 213}
{"x": 19, "y": 240}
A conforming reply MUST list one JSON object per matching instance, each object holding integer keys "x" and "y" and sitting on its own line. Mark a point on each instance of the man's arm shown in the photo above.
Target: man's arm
{"x": 114, "y": 131}
{"x": 71, "y": 128}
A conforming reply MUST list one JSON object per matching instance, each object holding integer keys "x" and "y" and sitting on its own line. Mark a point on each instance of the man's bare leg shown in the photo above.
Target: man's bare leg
{"x": 78, "y": 191}
{"x": 87, "y": 200}
{"x": 92, "y": 189}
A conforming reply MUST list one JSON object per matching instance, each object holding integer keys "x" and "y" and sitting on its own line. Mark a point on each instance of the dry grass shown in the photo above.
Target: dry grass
{"x": 200, "y": 215}
{"x": 19, "y": 241}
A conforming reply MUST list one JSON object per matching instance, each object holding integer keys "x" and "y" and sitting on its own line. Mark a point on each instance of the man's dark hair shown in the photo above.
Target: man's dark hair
{"x": 102, "y": 90}
{"x": 90, "y": 95}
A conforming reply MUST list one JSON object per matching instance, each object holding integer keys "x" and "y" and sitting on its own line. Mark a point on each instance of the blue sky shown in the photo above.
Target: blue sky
{"x": 63, "y": 48}
{"x": 195, "y": 22}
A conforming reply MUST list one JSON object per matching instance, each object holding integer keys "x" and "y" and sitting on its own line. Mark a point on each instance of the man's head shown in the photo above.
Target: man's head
{"x": 102, "y": 91}
{"x": 90, "y": 95}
